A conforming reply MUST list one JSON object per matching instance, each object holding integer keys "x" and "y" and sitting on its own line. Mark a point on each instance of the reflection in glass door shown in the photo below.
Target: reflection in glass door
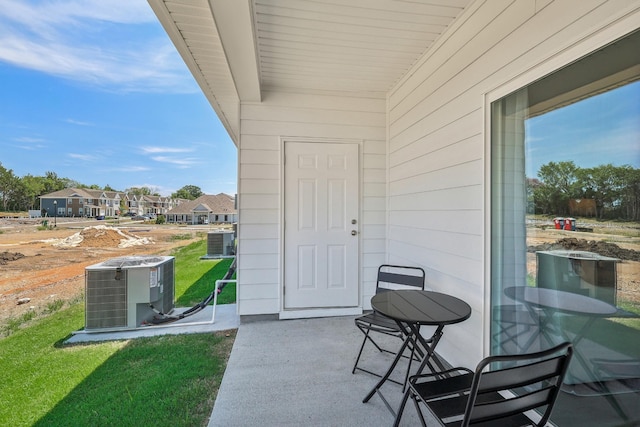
{"x": 566, "y": 229}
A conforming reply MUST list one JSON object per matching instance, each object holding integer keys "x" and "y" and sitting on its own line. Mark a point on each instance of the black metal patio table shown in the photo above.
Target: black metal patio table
{"x": 412, "y": 309}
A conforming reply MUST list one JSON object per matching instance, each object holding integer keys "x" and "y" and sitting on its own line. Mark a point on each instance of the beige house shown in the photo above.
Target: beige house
{"x": 158, "y": 205}
{"x": 386, "y": 131}
{"x": 149, "y": 205}
{"x": 206, "y": 209}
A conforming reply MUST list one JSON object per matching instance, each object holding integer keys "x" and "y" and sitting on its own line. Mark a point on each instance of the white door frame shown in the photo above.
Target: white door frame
{"x": 318, "y": 312}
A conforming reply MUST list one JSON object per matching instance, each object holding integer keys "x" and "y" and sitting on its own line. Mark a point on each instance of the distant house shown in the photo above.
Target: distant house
{"x": 131, "y": 204}
{"x": 80, "y": 202}
{"x": 158, "y": 205}
{"x": 219, "y": 208}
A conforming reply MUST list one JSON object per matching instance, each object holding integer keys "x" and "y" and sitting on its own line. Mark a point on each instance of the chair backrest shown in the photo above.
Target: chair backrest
{"x": 392, "y": 277}
{"x": 520, "y": 383}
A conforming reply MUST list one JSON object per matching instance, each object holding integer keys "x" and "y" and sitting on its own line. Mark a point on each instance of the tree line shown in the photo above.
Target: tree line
{"x": 23, "y": 193}
{"x": 615, "y": 190}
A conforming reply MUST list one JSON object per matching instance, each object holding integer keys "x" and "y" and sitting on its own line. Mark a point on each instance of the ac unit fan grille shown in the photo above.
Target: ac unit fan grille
{"x": 215, "y": 244}
{"x": 106, "y": 299}
{"x": 169, "y": 288}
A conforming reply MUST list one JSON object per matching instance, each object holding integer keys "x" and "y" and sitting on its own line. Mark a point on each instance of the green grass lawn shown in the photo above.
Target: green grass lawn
{"x": 195, "y": 278}
{"x": 170, "y": 380}
{"x": 618, "y": 334}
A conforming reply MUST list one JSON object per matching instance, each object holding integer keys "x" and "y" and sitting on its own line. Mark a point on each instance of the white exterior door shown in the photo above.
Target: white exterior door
{"x": 321, "y": 225}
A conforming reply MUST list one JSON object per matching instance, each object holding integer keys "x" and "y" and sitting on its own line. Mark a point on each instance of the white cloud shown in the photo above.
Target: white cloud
{"x": 182, "y": 163}
{"x": 131, "y": 169}
{"x": 29, "y": 143}
{"x": 28, "y": 139}
{"x": 78, "y": 40}
{"x": 78, "y": 122}
{"x": 154, "y": 150}
{"x": 84, "y": 157}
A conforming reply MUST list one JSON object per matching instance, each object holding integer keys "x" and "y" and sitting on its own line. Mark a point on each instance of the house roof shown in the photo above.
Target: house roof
{"x": 238, "y": 50}
{"x": 84, "y": 193}
{"x": 217, "y": 204}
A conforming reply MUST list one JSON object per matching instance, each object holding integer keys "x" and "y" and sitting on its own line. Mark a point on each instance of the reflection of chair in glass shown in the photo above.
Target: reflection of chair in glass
{"x": 611, "y": 378}
{"x": 616, "y": 376}
{"x": 512, "y": 324}
{"x": 390, "y": 277}
{"x": 513, "y": 385}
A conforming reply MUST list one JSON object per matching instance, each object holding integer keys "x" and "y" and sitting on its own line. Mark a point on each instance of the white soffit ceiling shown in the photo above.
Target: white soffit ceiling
{"x": 356, "y": 46}
{"x": 238, "y": 49}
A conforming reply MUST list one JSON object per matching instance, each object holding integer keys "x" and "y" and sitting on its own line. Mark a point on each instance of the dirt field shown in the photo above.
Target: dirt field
{"x": 38, "y": 267}
{"x": 47, "y": 265}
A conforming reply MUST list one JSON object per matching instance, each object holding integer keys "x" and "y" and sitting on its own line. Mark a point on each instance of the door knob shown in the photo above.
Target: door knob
{"x": 354, "y": 232}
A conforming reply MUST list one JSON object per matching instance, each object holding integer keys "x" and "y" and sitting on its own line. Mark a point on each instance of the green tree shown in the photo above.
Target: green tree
{"x": 190, "y": 192}
{"x": 631, "y": 194}
{"x": 8, "y": 183}
{"x": 608, "y": 184}
{"x": 615, "y": 189}
{"x": 19, "y": 200}
{"x": 532, "y": 185}
{"x": 33, "y": 188}
{"x": 140, "y": 191}
{"x": 52, "y": 182}
{"x": 560, "y": 184}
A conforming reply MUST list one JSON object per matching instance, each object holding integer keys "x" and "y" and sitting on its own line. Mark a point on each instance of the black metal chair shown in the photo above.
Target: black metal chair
{"x": 499, "y": 396}
{"x": 390, "y": 277}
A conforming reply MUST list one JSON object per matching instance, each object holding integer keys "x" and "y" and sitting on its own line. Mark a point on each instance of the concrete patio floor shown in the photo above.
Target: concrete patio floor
{"x": 298, "y": 373}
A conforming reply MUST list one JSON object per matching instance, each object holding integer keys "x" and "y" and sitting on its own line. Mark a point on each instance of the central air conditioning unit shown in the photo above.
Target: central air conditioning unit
{"x": 220, "y": 244}
{"x": 580, "y": 272}
{"x": 119, "y": 292}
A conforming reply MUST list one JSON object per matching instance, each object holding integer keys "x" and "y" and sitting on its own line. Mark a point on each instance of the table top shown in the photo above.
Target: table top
{"x": 567, "y": 302}
{"x": 421, "y": 307}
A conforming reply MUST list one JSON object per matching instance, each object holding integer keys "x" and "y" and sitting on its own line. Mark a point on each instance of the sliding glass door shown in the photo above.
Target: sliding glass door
{"x": 565, "y": 220}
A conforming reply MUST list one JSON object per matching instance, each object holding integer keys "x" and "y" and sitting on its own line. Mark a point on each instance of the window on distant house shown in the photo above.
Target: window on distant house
{"x": 565, "y": 221}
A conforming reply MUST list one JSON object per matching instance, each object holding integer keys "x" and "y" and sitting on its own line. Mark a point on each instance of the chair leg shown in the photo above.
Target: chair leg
{"x": 396, "y": 423}
{"x": 420, "y": 414}
{"x": 364, "y": 341}
{"x": 367, "y": 337}
{"x": 406, "y": 375}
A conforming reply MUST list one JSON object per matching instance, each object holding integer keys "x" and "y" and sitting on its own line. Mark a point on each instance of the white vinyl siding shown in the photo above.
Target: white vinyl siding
{"x": 264, "y": 126}
{"x": 437, "y": 163}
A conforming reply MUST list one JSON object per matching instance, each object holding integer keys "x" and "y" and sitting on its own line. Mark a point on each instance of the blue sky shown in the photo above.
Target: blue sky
{"x": 596, "y": 131}
{"x": 95, "y": 91}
